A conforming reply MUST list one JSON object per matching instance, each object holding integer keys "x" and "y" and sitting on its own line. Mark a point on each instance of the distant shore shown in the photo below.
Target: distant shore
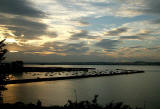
{"x": 93, "y": 63}
{"x": 53, "y": 69}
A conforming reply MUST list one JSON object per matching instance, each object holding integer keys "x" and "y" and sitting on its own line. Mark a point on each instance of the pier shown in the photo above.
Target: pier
{"x": 96, "y": 74}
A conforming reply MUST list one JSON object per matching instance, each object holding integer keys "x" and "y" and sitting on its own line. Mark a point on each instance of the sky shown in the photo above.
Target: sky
{"x": 81, "y": 30}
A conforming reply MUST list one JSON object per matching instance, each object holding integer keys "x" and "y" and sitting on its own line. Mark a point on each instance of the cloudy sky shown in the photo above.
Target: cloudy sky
{"x": 81, "y": 30}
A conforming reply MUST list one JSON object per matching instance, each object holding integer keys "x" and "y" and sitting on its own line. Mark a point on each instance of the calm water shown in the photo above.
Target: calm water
{"x": 134, "y": 89}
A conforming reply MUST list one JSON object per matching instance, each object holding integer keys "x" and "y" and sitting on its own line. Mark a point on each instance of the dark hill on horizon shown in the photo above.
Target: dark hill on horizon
{"x": 95, "y": 63}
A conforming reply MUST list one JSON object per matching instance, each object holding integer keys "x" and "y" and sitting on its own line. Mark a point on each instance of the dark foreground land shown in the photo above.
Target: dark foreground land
{"x": 70, "y": 105}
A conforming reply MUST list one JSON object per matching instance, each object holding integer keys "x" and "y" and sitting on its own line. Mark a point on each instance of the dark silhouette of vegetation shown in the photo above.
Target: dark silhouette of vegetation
{"x": 6, "y": 68}
{"x": 70, "y": 105}
{"x": 3, "y": 51}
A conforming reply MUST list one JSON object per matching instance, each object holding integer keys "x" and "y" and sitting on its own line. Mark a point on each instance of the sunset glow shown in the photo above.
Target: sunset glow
{"x": 10, "y": 40}
{"x": 99, "y": 30}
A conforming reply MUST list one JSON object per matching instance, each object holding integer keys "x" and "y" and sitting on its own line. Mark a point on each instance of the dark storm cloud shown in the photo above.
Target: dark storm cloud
{"x": 24, "y": 19}
{"x": 154, "y": 48}
{"x": 131, "y": 38}
{"x": 142, "y": 35}
{"x": 22, "y": 25}
{"x": 29, "y": 33}
{"x": 81, "y": 44}
{"x": 52, "y": 34}
{"x": 19, "y": 7}
{"x": 82, "y": 34}
{"x": 108, "y": 44}
{"x": 117, "y": 31}
{"x": 136, "y": 47}
{"x": 156, "y": 21}
{"x": 152, "y": 6}
{"x": 59, "y": 48}
{"x": 62, "y": 47}
{"x": 77, "y": 48}
{"x": 22, "y": 22}
{"x": 26, "y": 27}
{"x": 84, "y": 22}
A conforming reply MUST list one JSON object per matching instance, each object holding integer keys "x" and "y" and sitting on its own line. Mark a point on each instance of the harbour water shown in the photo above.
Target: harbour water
{"x": 135, "y": 89}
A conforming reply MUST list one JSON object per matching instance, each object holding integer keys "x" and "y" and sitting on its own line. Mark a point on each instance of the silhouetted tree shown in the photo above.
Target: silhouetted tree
{"x": 39, "y": 103}
{"x": 3, "y": 51}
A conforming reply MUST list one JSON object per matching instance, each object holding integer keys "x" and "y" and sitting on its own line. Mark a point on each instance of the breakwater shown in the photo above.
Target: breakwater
{"x": 99, "y": 74}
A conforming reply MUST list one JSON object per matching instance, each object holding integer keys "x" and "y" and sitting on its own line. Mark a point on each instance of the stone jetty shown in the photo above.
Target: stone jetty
{"x": 91, "y": 73}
